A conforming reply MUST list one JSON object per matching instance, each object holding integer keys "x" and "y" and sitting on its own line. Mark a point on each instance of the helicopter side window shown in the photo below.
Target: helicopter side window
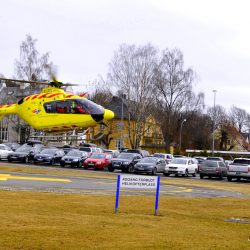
{"x": 48, "y": 108}
{"x": 76, "y": 107}
{"x": 62, "y": 107}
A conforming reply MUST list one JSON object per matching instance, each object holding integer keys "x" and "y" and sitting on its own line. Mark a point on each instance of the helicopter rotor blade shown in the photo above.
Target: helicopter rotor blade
{"x": 54, "y": 83}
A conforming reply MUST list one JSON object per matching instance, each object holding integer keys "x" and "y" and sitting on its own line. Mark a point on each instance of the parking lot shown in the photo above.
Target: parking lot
{"x": 71, "y": 180}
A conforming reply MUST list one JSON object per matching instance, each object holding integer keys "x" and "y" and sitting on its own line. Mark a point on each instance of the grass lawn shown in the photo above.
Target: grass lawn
{"x": 31, "y": 220}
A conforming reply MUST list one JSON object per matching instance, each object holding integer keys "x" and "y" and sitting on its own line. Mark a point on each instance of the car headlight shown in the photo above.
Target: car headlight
{"x": 75, "y": 160}
{"x": 49, "y": 157}
{"x": 98, "y": 162}
{"x": 125, "y": 163}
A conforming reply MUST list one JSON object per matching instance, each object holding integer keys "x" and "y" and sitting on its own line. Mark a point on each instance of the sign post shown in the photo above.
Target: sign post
{"x": 157, "y": 195}
{"x": 138, "y": 182}
{"x": 117, "y": 194}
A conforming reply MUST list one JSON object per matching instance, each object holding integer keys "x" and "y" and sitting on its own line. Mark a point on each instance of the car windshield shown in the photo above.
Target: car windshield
{"x": 125, "y": 156}
{"x": 148, "y": 160}
{"x": 214, "y": 158}
{"x": 24, "y": 148}
{"x": 242, "y": 161}
{"x": 159, "y": 155}
{"x": 97, "y": 156}
{"x": 179, "y": 161}
{"x": 210, "y": 164}
{"x": 49, "y": 151}
{"x": 75, "y": 153}
{"x": 85, "y": 149}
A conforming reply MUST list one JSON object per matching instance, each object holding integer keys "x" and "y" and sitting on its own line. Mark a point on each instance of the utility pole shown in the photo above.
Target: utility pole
{"x": 181, "y": 131}
{"x": 213, "y": 122}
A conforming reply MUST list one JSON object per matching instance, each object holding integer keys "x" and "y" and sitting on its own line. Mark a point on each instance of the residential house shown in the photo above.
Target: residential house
{"x": 116, "y": 134}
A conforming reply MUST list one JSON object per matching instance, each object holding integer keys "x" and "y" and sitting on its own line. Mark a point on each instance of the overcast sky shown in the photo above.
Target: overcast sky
{"x": 82, "y": 35}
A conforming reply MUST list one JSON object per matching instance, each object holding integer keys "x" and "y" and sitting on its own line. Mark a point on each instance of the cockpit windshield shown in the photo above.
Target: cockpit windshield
{"x": 74, "y": 106}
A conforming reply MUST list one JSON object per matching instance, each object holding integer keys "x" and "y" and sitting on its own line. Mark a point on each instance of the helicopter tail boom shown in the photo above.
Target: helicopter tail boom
{"x": 8, "y": 109}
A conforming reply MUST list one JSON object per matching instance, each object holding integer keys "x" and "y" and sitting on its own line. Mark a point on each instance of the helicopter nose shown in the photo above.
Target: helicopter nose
{"x": 108, "y": 114}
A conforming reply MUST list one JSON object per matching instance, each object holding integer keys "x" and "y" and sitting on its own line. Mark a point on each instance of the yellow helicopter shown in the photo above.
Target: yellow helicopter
{"x": 54, "y": 110}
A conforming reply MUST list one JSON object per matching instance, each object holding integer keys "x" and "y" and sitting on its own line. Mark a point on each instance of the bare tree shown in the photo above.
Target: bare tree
{"x": 174, "y": 87}
{"x": 132, "y": 70}
{"x": 32, "y": 66}
{"x": 218, "y": 115}
{"x": 238, "y": 117}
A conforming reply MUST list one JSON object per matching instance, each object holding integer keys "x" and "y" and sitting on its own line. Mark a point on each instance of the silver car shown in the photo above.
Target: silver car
{"x": 212, "y": 168}
{"x": 151, "y": 165}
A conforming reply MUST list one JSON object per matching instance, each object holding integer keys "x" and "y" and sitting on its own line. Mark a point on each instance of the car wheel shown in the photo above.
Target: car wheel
{"x": 229, "y": 178}
{"x": 62, "y": 164}
{"x": 52, "y": 162}
{"x": 166, "y": 174}
{"x": 221, "y": 176}
{"x": 238, "y": 178}
{"x": 186, "y": 173}
{"x": 154, "y": 171}
{"x": 79, "y": 164}
{"x": 195, "y": 173}
{"x": 201, "y": 176}
{"x": 25, "y": 159}
{"x": 9, "y": 160}
{"x": 110, "y": 169}
{"x": 131, "y": 169}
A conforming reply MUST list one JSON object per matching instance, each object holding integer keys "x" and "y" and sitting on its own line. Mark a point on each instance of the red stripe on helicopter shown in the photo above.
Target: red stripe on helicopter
{"x": 6, "y": 106}
{"x": 27, "y": 98}
{"x": 34, "y": 97}
{"x": 74, "y": 126}
{"x": 67, "y": 96}
{"x": 43, "y": 95}
{"x": 49, "y": 96}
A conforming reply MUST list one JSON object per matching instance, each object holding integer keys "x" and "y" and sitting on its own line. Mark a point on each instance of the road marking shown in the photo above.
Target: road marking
{"x": 5, "y": 177}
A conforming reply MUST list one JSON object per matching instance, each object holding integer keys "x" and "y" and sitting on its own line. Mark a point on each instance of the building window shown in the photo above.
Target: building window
{"x": 3, "y": 132}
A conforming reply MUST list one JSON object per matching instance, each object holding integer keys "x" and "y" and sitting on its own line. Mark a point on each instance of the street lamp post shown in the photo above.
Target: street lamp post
{"x": 213, "y": 123}
{"x": 121, "y": 127}
{"x": 181, "y": 131}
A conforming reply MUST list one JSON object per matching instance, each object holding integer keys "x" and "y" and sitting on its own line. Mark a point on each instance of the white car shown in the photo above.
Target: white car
{"x": 166, "y": 157}
{"x": 181, "y": 166}
{"x": 4, "y": 151}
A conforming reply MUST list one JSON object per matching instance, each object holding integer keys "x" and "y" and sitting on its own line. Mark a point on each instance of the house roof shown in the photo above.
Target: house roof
{"x": 119, "y": 107}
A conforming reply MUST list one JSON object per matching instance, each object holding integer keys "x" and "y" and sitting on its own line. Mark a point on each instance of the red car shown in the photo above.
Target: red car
{"x": 97, "y": 161}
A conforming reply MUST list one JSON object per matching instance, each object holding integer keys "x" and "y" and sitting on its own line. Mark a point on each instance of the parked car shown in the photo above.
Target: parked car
{"x": 200, "y": 159}
{"x": 67, "y": 148}
{"x": 12, "y": 145}
{"x": 214, "y": 158}
{"x": 114, "y": 153}
{"x": 49, "y": 156}
{"x": 98, "y": 161}
{"x": 179, "y": 156}
{"x": 25, "y": 153}
{"x": 4, "y": 151}
{"x": 124, "y": 162}
{"x": 181, "y": 166}
{"x": 89, "y": 150}
{"x": 239, "y": 169}
{"x": 74, "y": 158}
{"x": 166, "y": 157}
{"x": 152, "y": 165}
{"x": 143, "y": 153}
{"x": 212, "y": 168}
